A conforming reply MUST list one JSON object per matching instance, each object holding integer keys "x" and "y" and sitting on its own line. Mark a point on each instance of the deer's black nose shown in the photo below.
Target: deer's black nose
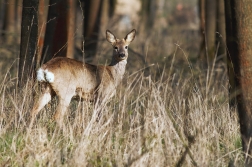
{"x": 121, "y": 55}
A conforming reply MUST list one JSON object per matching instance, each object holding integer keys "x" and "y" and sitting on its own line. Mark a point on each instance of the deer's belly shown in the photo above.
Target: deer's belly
{"x": 80, "y": 94}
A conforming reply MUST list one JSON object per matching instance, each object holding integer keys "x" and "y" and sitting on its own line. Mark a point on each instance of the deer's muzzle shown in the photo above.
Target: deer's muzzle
{"x": 121, "y": 55}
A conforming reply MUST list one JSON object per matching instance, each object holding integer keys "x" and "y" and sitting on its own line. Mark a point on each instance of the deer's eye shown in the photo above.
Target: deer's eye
{"x": 116, "y": 48}
{"x": 126, "y": 47}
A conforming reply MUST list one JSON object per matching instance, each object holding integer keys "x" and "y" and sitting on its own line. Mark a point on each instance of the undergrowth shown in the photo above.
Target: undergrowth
{"x": 175, "y": 119}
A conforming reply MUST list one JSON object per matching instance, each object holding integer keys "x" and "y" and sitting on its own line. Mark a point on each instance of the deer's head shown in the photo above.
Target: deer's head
{"x": 120, "y": 45}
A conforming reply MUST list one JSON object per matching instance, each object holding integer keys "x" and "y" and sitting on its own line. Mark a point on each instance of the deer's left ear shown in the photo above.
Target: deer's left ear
{"x": 130, "y": 36}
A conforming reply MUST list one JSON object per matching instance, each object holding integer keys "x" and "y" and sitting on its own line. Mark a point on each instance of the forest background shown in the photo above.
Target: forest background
{"x": 184, "y": 101}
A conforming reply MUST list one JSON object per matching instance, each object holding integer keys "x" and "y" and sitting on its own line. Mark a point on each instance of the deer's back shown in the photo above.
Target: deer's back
{"x": 84, "y": 78}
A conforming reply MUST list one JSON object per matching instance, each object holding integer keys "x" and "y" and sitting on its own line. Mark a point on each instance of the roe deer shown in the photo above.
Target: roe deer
{"x": 68, "y": 78}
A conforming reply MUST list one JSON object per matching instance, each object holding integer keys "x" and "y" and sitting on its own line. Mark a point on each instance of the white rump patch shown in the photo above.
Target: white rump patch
{"x": 49, "y": 76}
{"x": 40, "y": 75}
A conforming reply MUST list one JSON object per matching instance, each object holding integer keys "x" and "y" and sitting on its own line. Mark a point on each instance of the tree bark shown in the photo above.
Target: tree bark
{"x": 221, "y": 29}
{"x": 29, "y": 35}
{"x": 56, "y": 31}
{"x": 148, "y": 13}
{"x": 42, "y": 19}
{"x": 104, "y": 16}
{"x": 2, "y": 14}
{"x": 92, "y": 16}
{"x": 71, "y": 12}
{"x": 202, "y": 15}
{"x": 210, "y": 28}
{"x": 243, "y": 35}
{"x": 9, "y": 22}
{"x": 232, "y": 58}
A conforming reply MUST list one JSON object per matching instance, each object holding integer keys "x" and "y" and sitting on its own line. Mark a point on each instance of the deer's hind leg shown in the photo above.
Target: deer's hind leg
{"x": 64, "y": 101}
{"x": 44, "y": 98}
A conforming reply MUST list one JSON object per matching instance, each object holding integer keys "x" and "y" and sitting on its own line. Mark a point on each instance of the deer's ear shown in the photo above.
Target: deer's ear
{"x": 110, "y": 37}
{"x": 130, "y": 36}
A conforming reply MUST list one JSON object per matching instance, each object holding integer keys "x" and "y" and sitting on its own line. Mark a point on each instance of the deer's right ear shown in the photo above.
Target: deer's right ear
{"x": 110, "y": 37}
{"x": 130, "y": 36}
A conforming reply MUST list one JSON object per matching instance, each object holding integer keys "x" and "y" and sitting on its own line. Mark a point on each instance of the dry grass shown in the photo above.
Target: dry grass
{"x": 176, "y": 120}
{"x": 174, "y": 116}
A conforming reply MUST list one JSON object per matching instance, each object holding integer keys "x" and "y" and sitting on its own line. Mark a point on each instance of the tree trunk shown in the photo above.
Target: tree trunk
{"x": 210, "y": 29}
{"x": 92, "y": 15}
{"x": 2, "y": 13}
{"x": 9, "y": 22}
{"x": 104, "y": 16}
{"x": 232, "y": 58}
{"x": 71, "y": 12}
{"x": 29, "y": 35}
{"x": 148, "y": 13}
{"x": 221, "y": 29}
{"x": 42, "y": 19}
{"x": 243, "y": 11}
{"x": 202, "y": 13}
{"x": 47, "y": 52}
{"x": 56, "y": 31}
{"x": 112, "y": 6}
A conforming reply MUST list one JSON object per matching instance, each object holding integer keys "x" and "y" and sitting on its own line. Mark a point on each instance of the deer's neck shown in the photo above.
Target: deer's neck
{"x": 118, "y": 70}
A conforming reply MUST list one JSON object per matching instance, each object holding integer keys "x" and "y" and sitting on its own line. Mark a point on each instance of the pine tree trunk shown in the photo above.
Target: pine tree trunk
{"x": 71, "y": 12}
{"x": 232, "y": 58}
{"x": 92, "y": 16}
{"x": 29, "y": 35}
{"x": 56, "y": 31}
{"x": 202, "y": 16}
{"x": 243, "y": 12}
{"x": 210, "y": 29}
{"x": 221, "y": 29}
{"x": 42, "y": 19}
{"x": 9, "y": 22}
